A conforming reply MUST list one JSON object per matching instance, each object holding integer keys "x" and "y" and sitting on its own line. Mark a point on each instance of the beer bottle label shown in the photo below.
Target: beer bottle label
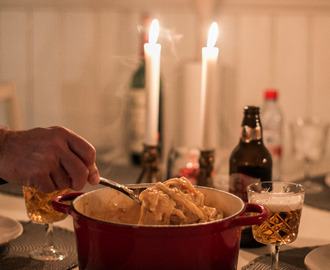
{"x": 239, "y": 182}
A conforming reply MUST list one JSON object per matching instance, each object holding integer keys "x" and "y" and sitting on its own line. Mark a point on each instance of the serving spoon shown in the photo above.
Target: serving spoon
{"x": 112, "y": 184}
{"x": 121, "y": 188}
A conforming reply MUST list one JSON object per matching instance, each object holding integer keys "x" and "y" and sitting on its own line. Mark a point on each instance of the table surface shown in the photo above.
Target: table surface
{"x": 313, "y": 231}
{"x": 314, "y": 227}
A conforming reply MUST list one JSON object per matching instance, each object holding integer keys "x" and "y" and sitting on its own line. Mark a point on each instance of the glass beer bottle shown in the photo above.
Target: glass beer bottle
{"x": 250, "y": 162}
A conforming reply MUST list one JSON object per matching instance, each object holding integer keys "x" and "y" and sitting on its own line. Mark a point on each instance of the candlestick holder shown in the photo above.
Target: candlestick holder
{"x": 206, "y": 165}
{"x": 150, "y": 161}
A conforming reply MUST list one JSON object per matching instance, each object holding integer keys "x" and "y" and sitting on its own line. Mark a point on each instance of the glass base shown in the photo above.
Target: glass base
{"x": 48, "y": 254}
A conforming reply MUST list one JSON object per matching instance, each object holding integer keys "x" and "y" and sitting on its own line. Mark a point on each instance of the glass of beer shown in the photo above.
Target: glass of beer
{"x": 39, "y": 209}
{"x": 284, "y": 201}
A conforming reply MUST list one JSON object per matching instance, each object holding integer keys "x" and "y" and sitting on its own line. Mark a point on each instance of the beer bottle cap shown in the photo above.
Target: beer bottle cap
{"x": 251, "y": 110}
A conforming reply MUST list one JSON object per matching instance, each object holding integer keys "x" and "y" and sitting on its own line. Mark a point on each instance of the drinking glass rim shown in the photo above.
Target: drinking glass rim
{"x": 276, "y": 183}
{"x": 315, "y": 121}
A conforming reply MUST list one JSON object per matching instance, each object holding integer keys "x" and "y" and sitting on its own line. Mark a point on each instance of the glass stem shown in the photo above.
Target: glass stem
{"x": 49, "y": 236}
{"x": 275, "y": 257}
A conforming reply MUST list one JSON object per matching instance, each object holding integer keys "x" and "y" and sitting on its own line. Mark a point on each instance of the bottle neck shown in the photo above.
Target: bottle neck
{"x": 270, "y": 101}
{"x": 249, "y": 134}
{"x": 251, "y": 126}
{"x": 270, "y": 108}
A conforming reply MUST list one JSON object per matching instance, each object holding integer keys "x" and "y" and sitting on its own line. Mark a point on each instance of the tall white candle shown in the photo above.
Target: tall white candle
{"x": 152, "y": 62}
{"x": 209, "y": 90}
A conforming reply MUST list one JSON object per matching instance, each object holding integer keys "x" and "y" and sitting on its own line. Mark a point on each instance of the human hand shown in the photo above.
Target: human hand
{"x": 47, "y": 159}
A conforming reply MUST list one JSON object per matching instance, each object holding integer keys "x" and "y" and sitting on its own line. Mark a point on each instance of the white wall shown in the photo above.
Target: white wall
{"x": 72, "y": 60}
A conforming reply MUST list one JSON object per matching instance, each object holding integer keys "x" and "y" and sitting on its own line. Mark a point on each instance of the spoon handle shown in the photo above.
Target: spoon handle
{"x": 119, "y": 187}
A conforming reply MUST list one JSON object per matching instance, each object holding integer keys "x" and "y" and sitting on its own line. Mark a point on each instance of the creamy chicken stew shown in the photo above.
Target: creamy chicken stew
{"x": 175, "y": 202}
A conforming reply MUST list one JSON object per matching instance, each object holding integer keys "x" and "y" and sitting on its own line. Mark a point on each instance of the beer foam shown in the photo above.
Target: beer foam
{"x": 278, "y": 202}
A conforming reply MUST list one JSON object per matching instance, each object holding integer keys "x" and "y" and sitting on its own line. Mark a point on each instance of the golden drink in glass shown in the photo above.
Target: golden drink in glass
{"x": 284, "y": 202}
{"x": 39, "y": 209}
{"x": 282, "y": 225}
{"x": 38, "y": 205}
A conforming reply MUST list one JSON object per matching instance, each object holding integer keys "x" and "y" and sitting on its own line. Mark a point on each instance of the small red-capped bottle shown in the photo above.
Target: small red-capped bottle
{"x": 272, "y": 122}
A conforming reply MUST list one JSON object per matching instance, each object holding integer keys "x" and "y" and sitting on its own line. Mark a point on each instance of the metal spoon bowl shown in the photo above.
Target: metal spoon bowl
{"x": 121, "y": 188}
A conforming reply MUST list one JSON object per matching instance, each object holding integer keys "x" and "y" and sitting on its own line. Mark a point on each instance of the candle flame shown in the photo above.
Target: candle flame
{"x": 154, "y": 31}
{"x": 213, "y": 35}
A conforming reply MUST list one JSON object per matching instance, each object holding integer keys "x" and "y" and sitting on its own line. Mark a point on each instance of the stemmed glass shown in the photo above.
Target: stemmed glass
{"x": 39, "y": 209}
{"x": 309, "y": 138}
{"x": 284, "y": 201}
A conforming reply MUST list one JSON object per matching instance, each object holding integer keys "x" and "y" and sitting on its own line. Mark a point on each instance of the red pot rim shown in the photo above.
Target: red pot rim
{"x": 240, "y": 212}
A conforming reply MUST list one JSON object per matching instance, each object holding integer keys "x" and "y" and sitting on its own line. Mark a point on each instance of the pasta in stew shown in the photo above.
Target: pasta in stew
{"x": 175, "y": 202}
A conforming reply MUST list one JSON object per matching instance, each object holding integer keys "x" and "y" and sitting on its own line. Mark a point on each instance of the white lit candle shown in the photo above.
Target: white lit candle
{"x": 209, "y": 89}
{"x": 152, "y": 62}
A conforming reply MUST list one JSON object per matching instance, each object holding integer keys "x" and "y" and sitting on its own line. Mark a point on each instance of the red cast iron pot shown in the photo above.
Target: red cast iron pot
{"x": 109, "y": 245}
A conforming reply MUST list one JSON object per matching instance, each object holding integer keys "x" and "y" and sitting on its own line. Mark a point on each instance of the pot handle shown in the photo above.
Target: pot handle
{"x": 251, "y": 220}
{"x": 63, "y": 207}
